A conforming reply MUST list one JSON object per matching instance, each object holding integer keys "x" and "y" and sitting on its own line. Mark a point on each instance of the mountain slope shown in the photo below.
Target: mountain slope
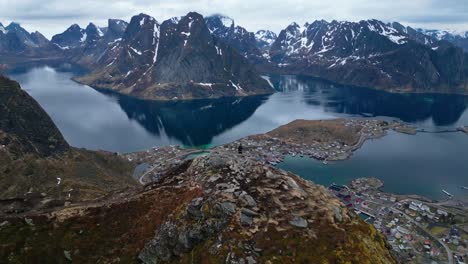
{"x": 459, "y": 39}
{"x": 34, "y": 156}
{"x": 25, "y": 126}
{"x": 221, "y": 208}
{"x": 175, "y": 59}
{"x": 237, "y": 37}
{"x": 369, "y": 53}
{"x": 265, "y": 38}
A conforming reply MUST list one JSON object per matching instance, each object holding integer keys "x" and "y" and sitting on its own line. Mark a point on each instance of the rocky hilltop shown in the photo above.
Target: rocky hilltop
{"x": 178, "y": 59}
{"x": 220, "y": 208}
{"x": 38, "y": 168}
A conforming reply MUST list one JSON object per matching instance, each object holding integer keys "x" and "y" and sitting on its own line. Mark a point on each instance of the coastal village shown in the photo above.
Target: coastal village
{"x": 417, "y": 229}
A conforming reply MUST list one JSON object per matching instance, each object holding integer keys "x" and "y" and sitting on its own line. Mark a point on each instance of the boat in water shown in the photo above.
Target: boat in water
{"x": 447, "y": 193}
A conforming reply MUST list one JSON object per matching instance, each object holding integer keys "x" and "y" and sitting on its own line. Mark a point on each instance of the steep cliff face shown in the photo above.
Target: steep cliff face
{"x": 237, "y": 37}
{"x": 37, "y": 162}
{"x": 214, "y": 209}
{"x": 25, "y": 126}
{"x": 176, "y": 59}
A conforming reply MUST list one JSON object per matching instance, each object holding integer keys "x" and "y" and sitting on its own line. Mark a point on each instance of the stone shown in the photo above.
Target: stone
{"x": 248, "y": 200}
{"x": 4, "y": 223}
{"x": 246, "y": 220}
{"x": 248, "y": 212}
{"x": 29, "y": 221}
{"x": 214, "y": 178}
{"x": 338, "y": 216}
{"x": 250, "y": 260}
{"x": 228, "y": 208}
{"x": 193, "y": 209}
{"x": 298, "y": 221}
{"x": 67, "y": 255}
{"x": 271, "y": 175}
{"x": 217, "y": 162}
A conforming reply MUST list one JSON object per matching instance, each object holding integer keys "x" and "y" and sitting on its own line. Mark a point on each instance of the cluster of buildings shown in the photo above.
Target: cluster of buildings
{"x": 407, "y": 223}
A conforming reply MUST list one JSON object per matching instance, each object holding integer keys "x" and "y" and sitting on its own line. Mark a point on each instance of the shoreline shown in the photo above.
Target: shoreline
{"x": 102, "y": 89}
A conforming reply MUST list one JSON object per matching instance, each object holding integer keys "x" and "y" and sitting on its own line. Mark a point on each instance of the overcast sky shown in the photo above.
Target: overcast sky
{"x": 54, "y": 16}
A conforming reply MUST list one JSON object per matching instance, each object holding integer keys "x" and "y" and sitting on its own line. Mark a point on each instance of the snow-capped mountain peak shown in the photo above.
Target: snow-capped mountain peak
{"x": 266, "y": 36}
{"x": 227, "y": 21}
{"x": 2, "y": 29}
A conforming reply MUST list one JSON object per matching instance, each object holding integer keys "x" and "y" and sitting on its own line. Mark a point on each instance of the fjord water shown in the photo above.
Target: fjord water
{"x": 423, "y": 164}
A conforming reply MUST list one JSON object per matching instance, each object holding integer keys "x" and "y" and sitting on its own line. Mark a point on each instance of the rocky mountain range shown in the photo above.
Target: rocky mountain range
{"x": 75, "y": 36}
{"x": 16, "y": 42}
{"x": 194, "y": 57}
{"x": 177, "y": 59}
{"x": 459, "y": 39}
{"x": 245, "y": 42}
{"x": 369, "y": 53}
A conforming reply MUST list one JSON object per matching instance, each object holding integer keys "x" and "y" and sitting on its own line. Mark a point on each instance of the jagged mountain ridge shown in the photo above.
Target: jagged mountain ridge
{"x": 459, "y": 39}
{"x": 245, "y": 42}
{"x": 75, "y": 36}
{"x": 369, "y": 53}
{"x": 265, "y": 38}
{"x": 17, "y": 41}
{"x": 176, "y": 59}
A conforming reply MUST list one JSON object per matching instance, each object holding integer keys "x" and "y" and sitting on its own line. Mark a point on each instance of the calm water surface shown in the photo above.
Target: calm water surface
{"x": 422, "y": 164}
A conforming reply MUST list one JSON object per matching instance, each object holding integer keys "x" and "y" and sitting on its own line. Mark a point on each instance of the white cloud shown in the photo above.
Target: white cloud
{"x": 54, "y": 16}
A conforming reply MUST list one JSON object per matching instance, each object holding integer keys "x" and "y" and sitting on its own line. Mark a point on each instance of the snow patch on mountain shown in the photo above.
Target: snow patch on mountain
{"x": 227, "y": 21}
{"x": 156, "y": 34}
{"x": 84, "y": 36}
{"x": 2, "y": 29}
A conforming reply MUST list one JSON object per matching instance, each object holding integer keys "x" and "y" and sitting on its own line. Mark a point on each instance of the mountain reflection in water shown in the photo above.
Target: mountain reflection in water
{"x": 106, "y": 120}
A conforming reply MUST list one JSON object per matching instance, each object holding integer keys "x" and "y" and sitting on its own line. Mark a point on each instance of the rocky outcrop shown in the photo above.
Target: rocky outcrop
{"x": 250, "y": 212}
{"x": 25, "y": 128}
{"x": 38, "y": 168}
{"x": 217, "y": 208}
{"x": 178, "y": 59}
